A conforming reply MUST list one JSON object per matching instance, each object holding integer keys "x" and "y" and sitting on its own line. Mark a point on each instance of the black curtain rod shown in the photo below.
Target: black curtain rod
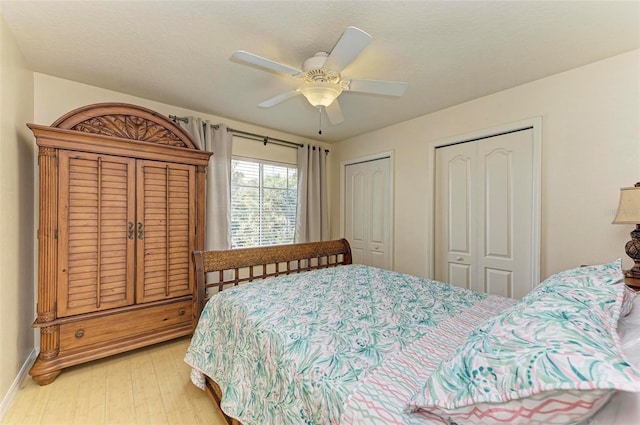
{"x": 264, "y": 139}
{"x": 252, "y": 136}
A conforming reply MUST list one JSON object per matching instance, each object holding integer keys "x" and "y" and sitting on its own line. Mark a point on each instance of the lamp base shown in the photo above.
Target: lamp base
{"x": 633, "y": 272}
{"x": 632, "y": 248}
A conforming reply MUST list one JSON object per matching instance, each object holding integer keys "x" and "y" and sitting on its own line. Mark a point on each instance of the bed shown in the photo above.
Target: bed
{"x": 297, "y": 334}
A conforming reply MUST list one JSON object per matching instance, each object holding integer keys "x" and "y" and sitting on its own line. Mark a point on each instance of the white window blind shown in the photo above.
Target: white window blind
{"x": 263, "y": 203}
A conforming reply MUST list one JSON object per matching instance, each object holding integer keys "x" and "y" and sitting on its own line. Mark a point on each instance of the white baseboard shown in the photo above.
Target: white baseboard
{"x": 13, "y": 390}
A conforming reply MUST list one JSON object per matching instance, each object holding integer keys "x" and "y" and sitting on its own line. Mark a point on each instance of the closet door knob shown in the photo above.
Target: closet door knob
{"x": 140, "y": 231}
{"x": 131, "y": 229}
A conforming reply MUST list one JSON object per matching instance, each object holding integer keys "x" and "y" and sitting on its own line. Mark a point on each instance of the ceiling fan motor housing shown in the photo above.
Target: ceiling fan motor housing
{"x": 315, "y": 61}
{"x": 321, "y": 75}
{"x": 313, "y": 70}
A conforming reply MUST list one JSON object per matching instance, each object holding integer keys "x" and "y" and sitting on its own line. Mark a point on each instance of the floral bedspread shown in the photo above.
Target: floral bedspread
{"x": 295, "y": 349}
{"x": 382, "y": 397}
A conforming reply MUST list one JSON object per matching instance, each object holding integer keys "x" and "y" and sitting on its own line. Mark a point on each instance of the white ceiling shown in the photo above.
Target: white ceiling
{"x": 177, "y": 52}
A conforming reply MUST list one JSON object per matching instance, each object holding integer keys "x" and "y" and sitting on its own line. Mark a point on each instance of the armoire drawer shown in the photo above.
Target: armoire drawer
{"x": 128, "y": 324}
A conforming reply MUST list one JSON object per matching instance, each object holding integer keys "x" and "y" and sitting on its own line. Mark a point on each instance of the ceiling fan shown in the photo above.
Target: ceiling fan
{"x": 322, "y": 81}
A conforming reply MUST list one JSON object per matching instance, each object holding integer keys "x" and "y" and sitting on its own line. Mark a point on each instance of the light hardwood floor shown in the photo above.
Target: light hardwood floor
{"x": 146, "y": 386}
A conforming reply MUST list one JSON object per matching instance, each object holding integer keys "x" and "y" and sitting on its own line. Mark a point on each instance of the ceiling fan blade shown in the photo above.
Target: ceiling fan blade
{"x": 352, "y": 42}
{"x": 387, "y": 88}
{"x": 252, "y": 59}
{"x": 334, "y": 112}
{"x": 279, "y": 99}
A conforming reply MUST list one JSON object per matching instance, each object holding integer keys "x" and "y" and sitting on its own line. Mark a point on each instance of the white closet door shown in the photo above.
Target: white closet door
{"x": 455, "y": 228}
{"x": 484, "y": 214}
{"x": 368, "y": 212}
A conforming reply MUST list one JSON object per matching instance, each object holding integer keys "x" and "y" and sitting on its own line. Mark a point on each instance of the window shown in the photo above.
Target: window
{"x": 263, "y": 203}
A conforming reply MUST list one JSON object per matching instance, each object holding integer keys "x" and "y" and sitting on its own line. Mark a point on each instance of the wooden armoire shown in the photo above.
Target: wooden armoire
{"x": 122, "y": 207}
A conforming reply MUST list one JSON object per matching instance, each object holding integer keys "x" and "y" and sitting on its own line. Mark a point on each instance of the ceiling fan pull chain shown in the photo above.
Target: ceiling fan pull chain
{"x": 320, "y": 121}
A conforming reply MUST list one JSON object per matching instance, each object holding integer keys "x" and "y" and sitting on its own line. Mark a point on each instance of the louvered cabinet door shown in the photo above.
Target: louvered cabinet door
{"x": 95, "y": 235}
{"x": 165, "y": 230}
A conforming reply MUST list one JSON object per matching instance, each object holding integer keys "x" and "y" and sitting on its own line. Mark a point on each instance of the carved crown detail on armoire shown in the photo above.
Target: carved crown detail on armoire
{"x": 121, "y": 209}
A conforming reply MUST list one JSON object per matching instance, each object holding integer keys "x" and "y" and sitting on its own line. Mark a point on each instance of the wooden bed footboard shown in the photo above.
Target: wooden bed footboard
{"x": 217, "y": 270}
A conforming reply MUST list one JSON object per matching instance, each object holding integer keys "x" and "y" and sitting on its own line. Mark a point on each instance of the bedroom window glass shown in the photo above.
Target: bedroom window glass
{"x": 263, "y": 203}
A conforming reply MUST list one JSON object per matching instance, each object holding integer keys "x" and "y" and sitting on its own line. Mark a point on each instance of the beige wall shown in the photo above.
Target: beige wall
{"x": 56, "y": 96}
{"x": 590, "y": 148}
{"x": 17, "y": 227}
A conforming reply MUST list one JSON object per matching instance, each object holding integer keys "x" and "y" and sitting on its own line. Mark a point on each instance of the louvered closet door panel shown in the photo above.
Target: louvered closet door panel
{"x": 96, "y": 248}
{"x": 166, "y": 230}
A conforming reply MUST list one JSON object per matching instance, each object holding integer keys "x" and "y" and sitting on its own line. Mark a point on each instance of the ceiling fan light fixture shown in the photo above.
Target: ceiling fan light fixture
{"x": 321, "y": 94}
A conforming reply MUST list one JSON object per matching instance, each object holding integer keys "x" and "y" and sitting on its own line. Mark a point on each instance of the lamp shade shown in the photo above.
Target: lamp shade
{"x": 629, "y": 206}
{"x": 321, "y": 94}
